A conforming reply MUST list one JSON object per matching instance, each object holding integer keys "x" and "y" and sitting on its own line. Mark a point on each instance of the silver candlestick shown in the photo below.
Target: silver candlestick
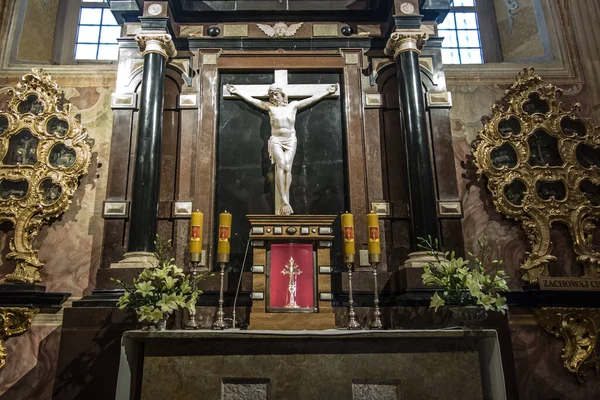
{"x": 220, "y": 323}
{"x": 376, "y": 324}
{"x": 191, "y": 323}
{"x": 352, "y": 322}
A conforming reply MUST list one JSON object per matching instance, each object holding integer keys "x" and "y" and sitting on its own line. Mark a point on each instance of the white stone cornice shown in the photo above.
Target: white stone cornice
{"x": 160, "y": 43}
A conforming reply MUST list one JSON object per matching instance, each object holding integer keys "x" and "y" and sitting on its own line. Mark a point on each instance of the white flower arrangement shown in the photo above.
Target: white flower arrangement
{"x": 461, "y": 284}
{"x": 158, "y": 291}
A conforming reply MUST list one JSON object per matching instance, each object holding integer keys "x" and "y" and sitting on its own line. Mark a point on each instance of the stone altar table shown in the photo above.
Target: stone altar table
{"x": 329, "y": 364}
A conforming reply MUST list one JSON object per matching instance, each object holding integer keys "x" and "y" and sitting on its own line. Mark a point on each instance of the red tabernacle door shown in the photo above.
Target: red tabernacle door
{"x": 295, "y": 260}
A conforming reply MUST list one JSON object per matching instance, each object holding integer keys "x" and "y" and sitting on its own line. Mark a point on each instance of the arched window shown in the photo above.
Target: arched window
{"x": 471, "y": 33}
{"x": 97, "y": 32}
{"x": 95, "y": 38}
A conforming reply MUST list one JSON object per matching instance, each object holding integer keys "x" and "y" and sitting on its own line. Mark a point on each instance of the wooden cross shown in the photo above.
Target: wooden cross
{"x": 281, "y": 79}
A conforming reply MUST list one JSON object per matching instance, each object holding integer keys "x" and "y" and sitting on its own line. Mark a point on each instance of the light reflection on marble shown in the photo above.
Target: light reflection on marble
{"x": 506, "y": 239}
{"x": 30, "y": 364}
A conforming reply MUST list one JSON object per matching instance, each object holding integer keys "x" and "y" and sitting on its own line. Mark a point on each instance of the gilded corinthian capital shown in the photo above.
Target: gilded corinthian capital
{"x": 160, "y": 43}
{"x": 407, "y": 40}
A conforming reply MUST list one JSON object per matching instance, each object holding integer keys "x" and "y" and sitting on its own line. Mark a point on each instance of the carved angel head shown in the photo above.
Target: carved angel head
{"x": 280, "y": 29}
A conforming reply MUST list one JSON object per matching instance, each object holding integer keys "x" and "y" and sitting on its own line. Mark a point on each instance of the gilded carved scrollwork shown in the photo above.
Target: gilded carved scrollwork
{"x": 43, "y": 153}
{"x": 14, "y": 321}
{"x": 542, "y": 163}
{"x": 578, "y": 327}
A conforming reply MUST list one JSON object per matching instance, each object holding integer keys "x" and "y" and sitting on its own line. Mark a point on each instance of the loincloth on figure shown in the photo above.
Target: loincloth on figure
{"x": 285, "y": 144}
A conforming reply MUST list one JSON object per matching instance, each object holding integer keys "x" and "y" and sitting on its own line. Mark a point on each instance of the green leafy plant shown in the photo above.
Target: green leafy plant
{"x": 159, "y": 290}
{"x": 463, "y": 284}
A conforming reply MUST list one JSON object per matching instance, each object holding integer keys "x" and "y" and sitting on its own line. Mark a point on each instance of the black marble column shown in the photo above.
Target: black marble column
{"x": 419, "y": 158}
{"x": 146, "y": 178}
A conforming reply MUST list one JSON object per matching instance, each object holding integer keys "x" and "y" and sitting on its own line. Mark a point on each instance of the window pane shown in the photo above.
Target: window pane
{"x": 108, "y": 52}
{"x": 85, "y": 51}
{"x": 463, "y": 3}
{"x": 468, "y": 39}
{"x": 467, "y": 20}
{"x": 450, "y": 56}
{"x": 471, "y": 56}
{"x": 108, "y": 18}
{"x": 450, "y": 38}
{"x": 448, "y": 22}
{"x": 90, "y": 16}
{"x": 111, "y": 33}
{"x": 88, "y": 34}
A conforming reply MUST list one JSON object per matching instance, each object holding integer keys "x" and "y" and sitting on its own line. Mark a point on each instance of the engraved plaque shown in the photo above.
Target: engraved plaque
{"x": 324, "y": 30}
{"x": 235, "y": 30}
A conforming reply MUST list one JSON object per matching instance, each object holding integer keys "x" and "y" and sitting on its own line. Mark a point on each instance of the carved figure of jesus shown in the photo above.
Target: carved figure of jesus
{"x": 283, "y": 141}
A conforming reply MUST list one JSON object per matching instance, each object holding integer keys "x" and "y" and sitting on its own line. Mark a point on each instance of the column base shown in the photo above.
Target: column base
{"x": 411, "y": 272}
{"x": 137, "y": 259}
{"x": 418, "y": 259}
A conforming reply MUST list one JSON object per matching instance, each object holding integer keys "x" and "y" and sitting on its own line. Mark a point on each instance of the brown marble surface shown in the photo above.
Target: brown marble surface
{"x": 30, "y": 364}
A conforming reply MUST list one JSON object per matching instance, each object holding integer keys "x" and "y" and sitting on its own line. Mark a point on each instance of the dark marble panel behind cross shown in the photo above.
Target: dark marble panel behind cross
{"x": 245, "y": 175}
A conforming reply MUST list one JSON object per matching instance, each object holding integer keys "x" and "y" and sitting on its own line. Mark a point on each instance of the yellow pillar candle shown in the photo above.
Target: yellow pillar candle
{"x": 196, "y": 235}
{"x": 373, "y": 224}
{"x": 223, "y": 247}
{"x": 348, "y": 232}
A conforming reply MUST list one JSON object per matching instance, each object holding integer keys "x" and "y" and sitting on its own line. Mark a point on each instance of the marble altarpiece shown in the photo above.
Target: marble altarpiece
{"x": 357, "y": 152}
{"x": 212, "y": 149}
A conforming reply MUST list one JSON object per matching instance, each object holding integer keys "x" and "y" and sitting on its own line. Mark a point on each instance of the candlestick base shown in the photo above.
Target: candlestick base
{"x": 220, "y": 323}
{"x": 191, "y": 322}
{"x": 376, "y": 324}
{"x": 352, "y": 322}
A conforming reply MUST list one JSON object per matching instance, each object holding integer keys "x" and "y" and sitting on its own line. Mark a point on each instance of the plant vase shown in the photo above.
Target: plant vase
{"x": 468, "y": 316}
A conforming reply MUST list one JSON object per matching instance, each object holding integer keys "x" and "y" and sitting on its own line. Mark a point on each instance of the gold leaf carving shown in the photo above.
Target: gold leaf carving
{"x": 534, "y": 154}
{"x": 13, "y": 322}
{"x": 578, "y": 327}
{"x": 44, "y": 151}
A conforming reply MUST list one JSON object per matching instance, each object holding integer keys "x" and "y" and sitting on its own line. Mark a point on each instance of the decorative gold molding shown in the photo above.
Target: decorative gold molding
{"x": 543, "y": 166}
{"x": 43, "y": 153}
{"x": 407, "y": 40}
{"x": 14, "y": 321}
{"x": 578, "y": 327}
{"x": 160, "y": 43}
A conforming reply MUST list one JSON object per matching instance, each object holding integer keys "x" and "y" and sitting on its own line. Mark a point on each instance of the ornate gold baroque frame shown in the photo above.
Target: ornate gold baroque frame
{"x": 542, "y": 163}
{"x": 43, "y": 153}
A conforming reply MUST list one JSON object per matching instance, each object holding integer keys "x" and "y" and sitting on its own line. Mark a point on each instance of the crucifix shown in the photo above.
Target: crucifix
{"x": 291, "y": 269}
{"x": 282, "y": 115}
